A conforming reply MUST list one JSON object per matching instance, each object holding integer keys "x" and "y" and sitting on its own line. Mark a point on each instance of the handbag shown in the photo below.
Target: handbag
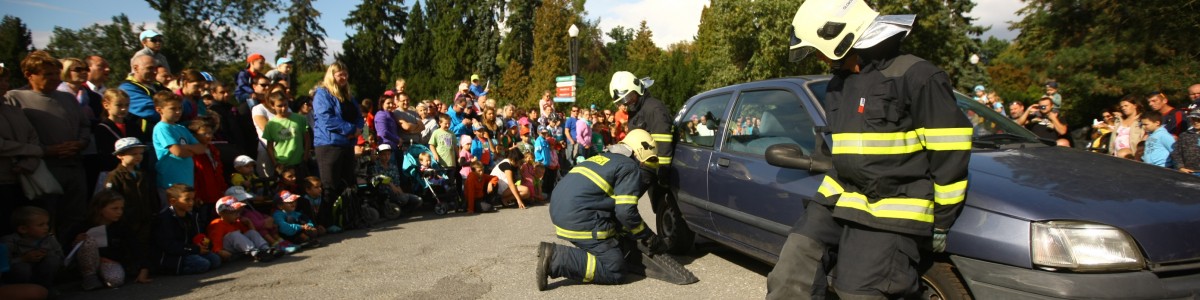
{"x": 40, "y": 183}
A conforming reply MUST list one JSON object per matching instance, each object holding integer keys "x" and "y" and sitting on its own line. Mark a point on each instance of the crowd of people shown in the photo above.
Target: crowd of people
{"x": 1144, "y": 128}
{"x": 177, "y": 171}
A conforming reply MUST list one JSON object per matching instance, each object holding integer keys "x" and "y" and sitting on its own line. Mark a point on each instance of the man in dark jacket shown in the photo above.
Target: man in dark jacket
{"x": 649, "y": 114}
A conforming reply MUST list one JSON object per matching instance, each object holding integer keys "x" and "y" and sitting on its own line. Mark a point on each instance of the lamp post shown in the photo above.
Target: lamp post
{"x": 574, "y": 32}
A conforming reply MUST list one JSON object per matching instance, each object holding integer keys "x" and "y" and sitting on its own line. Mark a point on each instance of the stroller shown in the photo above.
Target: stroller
{"x": 446, "y": 194}
{"x": 374, "y": 192}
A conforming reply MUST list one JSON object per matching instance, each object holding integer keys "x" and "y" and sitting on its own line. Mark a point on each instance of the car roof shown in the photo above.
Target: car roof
{"x": 801, "y": 80}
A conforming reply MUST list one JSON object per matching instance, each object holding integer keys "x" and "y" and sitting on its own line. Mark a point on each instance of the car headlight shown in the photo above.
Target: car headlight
{"x": 1083, "y": 247}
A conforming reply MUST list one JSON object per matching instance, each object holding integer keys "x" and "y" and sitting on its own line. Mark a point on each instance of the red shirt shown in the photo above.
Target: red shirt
{"x": 209, "y": 176}
{"x": 218, "y": 228}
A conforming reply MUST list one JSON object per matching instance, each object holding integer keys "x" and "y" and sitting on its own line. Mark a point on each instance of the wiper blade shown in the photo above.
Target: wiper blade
{"x": 1003, "y": 138}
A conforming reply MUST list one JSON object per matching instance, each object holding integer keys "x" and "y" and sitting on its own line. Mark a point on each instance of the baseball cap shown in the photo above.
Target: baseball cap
{"x": 127, "y": 143}
{"x": 474, "y": 77}
{"x": 464, "y": 140}
{"x": 1194, "y": 114}
{"x": 242, "y": 160}
{"x": 543, "y": 130}
{"x": 389, "y": 93}
{"x": 384, "y": 147}
{"x": 254, "y": 57}
{"x": 979, "y": 88}
{"x": 287, "y": 197}
{"x": 524, "y": 130}
{"x": 238, "y": 192}
{"x": 1053, "y": 84}
{"x": 148, "y": 34}
{"x": 228, "y": 203}
{"x": 282, "y": 61}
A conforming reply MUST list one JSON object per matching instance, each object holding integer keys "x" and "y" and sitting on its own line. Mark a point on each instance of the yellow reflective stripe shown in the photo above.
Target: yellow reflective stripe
{"x": 920, "y": 210}
{"x": 946, "y": 139}
{"x": 599, "y": 181}
{"x": 661, "y": 137}
{"x": 950, "y": 194}
{"x": 582, "y": 235}
{"x": 830, "y": 187}
{"x": 638, "y": 229}
{"x": 664, "y": 160}
{"x": 591, "y": 268}
{"x": 876, "y": 143}
{"x": 626, "y": 199}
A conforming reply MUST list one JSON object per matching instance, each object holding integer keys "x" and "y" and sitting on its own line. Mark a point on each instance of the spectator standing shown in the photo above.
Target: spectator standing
{"x": 260, "y": 114}
{"x": 583, "y": 135}
{"x": 386, "y": 126}
{"x": 152, "y": 44}
{"x": 569, "y": 127}
{"x": 288, "y": 142}
{"x": 460, "y": 120}
{"x": 74, "y": 82}
{"x": 138, "y": 190}
{"x": 428, "y": 121}
{"x": 1186, "y": 153}
{"x": 174, "y": 145}
{"x": 1128, "y": 132}
{"x": 409, "y": 124}
{"x": 1159, "y": 143}
{"x": 1045, "y": 122}
{"x": 337, "y": 123}
{"x": 113, "y": 126}
{"x": 209, "y": 174}
{"x": 1194, "y": 95}
{"x": 20, "y": 152}
{"x": 442, "y": 143}
{"x": 621, "y": 121}
{"x": 546, "y": 104}
{"x": 192, "y": 88}
{"x": 1172, "y": 118}
{"x": 247, "y": 77}
{"x": 1016, "y": 110}
{"x": 62, "y": 129}
{"x": 141, "y": 87}
{"x": 98, "y": 71}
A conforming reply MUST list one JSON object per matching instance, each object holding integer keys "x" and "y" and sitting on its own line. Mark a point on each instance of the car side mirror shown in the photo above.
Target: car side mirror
{"x": 792, "y": 157}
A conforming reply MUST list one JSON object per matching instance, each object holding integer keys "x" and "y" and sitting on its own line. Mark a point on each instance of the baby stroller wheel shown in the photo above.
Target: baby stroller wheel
{"x": 440, "y": 209}
{"x": 391, "y": 211}
{"x": 369, "y": 215}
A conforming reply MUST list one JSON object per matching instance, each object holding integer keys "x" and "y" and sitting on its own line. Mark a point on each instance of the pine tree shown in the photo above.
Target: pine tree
{"x": 114, "y": 42}
{"x": 199, "y": 34}
{"x": 942, "y": 34}
{"x": 518, "y": 43}
{"x": 642, "y": 53}
{"x": 550, "y": 46}
{"x": 16, "y": 41}
{"x": 369, "y": 51}
{"x": 482, "y": 27}
{"x": 304, "y": 39}
{"x": 413, "y": 60}
{"x": 621, "y": 37}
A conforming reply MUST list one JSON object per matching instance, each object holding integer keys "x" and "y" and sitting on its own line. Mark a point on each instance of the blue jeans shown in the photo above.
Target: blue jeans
{"x": 199, "y": 263}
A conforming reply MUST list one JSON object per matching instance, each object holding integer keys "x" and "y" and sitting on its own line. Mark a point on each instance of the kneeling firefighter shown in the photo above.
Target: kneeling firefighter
{"x": 595, "y": 208}
{"x": 900, "y": 148}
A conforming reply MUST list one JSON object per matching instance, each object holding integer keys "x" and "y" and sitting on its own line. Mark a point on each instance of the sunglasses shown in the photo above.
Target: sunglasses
{"x": 79, "y": 69}
{"x": 263, "y": 84}
{"x": 156, "y": 40}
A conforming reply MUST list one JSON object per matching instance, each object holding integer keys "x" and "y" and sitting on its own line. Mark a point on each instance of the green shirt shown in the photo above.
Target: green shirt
{"x": 288, "y": 135}
{"x": 442, "y": 142}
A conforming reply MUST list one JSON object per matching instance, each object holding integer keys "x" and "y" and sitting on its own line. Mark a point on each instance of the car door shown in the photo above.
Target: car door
{"x": 758, "y": 203}
{"x": 690, "y": 160}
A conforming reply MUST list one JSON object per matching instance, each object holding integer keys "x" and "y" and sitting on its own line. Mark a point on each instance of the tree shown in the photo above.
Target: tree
{"x": 550, "y": 41}
{"x": 739, "y": 43}
{"x": 621, "y": 37}
{"x": 518, "y": 43}
{"x": 413, "y": 61}
{"x": 368, "y": 53}
{"x": 484, "y": 33}
{"x": 942, "y": 34}
{"x": 676, "y": 77}
{"x": 16, "y": 41}
{"x": 199, "y": 34}
{"x": 1099, "y": 51}
{"x": 115, "y": 42}
{"x": 642, "y": 53}
{"x": 304, "y": 39}
{"x": 452, "y": 47}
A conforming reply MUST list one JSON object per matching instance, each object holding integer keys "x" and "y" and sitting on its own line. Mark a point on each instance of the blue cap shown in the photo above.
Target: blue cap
{"x": 207, "y": 77}
{"x": 979, "y": 88}
{"x": 282, "y": 61}
{"x": 148, "y": 34}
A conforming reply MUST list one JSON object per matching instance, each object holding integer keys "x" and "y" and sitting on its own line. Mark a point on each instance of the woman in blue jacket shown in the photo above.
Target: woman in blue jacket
{"x": 337, "y": 123}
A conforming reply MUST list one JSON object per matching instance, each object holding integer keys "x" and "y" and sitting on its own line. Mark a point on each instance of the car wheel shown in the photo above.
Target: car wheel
{"x": 941, "y": 282}
{"x": 672, "y": 228}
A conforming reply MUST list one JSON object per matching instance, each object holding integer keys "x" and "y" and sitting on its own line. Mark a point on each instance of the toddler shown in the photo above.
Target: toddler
{"x": 234, "y": 234}
{"x": 35, "y": 255}
{"x": 259, "y": 214}
{"x": 209, "y": 175}
{"x": 244, "y": 175}
{"x": 310, "y": 203}
{"x": 293, "y": 225}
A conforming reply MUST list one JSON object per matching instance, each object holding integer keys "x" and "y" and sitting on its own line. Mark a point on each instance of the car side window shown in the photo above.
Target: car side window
{"x": 768, "y": 117}
{"x": 701, "y": 122}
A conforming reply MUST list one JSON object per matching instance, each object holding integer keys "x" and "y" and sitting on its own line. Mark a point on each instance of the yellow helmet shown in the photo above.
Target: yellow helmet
{"x": 623, "y": 83}
{"x": 829, "y": 26}
{"x": 643, "y": 146}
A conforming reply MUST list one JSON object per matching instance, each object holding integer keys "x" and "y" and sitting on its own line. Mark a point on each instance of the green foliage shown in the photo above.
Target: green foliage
{"x": 642, "y": 53}
{"x": 307, "y": 80}
{"x": 550, "y": 46}
{"x": 451, "y": 46}
{"x": 483, "y": 37}
{"x": 368, "y": 53}
{"x": 115, "y": 42}
{"x": 676, "y": 79}
{"x": 199, "y": 34}
{"x": 304, "y": 39}
{"x": 739, "y": 42}
{"x": 413, "y": 61}
{"x": 942, "y": 35}
{"x": 518, "y": 43}
{"x": 1099, "y": 51}
{"x": 621, "y": 37}
{"x": 16, "y": 41}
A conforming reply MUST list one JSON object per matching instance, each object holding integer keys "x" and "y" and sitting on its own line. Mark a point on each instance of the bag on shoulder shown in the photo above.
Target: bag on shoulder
{"x": 40, "y": 182}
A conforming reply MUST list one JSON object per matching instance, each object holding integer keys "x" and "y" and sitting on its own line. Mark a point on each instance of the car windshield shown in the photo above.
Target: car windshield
{"x": 990, "y": 127}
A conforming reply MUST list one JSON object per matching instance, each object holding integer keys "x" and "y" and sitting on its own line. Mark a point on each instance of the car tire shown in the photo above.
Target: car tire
{"x": 941, "y": 281}
{"x": 672, "y": 228}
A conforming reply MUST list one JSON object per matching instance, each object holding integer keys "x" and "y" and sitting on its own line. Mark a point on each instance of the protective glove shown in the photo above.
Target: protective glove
{"x": 652, "y": 245}
{"x": 939, "y": 240}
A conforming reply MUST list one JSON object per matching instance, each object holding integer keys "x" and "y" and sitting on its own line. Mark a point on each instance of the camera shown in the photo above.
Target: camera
{"x": 1035, "y": 106}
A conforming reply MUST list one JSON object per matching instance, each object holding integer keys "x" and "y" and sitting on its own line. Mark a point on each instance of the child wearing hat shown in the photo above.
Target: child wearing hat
{"x": 259, "y": 213}
{"x": 233, "y": 234}
{"x": 293, "y": 225}
{"x": 244, "y": 174}
{"x": 141, "y": 198}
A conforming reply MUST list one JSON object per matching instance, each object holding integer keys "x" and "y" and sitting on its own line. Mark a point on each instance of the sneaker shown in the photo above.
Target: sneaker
{"x": 255, "y": 255}
{"x": 545, "y": 254}
{"x": 289, "y": 249}
{"x": 91, "y": 282}
{"x": 275, "y": 253}
{"x": 334, "y": 229}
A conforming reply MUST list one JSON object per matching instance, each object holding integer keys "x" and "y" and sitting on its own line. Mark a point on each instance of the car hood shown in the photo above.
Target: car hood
{"x": 1159, "y": 207}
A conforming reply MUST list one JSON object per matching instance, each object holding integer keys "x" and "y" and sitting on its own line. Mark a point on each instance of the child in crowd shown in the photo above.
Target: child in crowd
{"x": 105, "y": 262}
{"x": 366, "y": 141}
{"x": 244, "y": 174}
{"x": 287, "y": 178}
{"x": 34, "y": 254}
{"x": 174, "y": 145}
{"x": 479, "y": 186}
{"x": 310, "y": 203}
{"x": 481, "y": 147}
{"x": 428, "y": 172}
{"x": 508, "y": 141}
{"x": 464, "y": 155}
{"x": 141, "y": 200}
{"x": 441, "y": 142}
{"x": 111, "y": 127}
{"x": 385, "y": 168}
{"x": 259, "y": 214}
{"x": 293, "y": 225}
{"x": 525, "y": 145}
{"x": 1186, "y": 153}
{"x": 180, "y": 245}
{"x": 232, "y": 234}
{"x": 1159, "y": 143}
{"x": 545, "y": 153}
{"x": 530, "y": 177}
{"x": 209, "y": 173}
{"x": 288, "y": 142}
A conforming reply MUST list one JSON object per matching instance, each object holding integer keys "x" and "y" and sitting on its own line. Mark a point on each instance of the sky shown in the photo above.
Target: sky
{"x": 679, "y": 25}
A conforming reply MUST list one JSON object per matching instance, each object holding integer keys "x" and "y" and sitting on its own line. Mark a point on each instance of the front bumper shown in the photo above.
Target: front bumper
{"x": 988, "y": 280}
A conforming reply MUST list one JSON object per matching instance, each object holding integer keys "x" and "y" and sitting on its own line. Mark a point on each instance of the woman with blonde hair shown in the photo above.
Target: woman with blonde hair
{"x": 337, "y": 123}
{"x": 74, "y": 82}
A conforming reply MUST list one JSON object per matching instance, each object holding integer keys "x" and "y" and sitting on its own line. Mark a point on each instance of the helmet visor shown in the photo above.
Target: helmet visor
{"x": 621, "y": 96}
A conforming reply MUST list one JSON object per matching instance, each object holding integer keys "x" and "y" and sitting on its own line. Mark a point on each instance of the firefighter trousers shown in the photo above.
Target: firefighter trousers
{"x": 593, "y": 261}
{"x": 874, "y": 264}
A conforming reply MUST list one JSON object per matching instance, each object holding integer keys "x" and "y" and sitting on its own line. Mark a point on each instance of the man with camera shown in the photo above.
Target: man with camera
{"x": 1044, "y": 120}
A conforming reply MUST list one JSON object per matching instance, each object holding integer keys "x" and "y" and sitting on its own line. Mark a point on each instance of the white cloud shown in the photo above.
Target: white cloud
{"x": 670, "y": 21}
{"x": 997, "y": 13}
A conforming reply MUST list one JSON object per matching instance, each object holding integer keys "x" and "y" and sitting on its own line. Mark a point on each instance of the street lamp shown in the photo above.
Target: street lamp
{"x": 574, "y": 32}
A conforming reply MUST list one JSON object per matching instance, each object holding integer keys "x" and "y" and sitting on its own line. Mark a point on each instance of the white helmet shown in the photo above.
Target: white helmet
{"x": 829, "y": 26}
{"x": 623, "y": 83}
{"x": 643, "y": 147}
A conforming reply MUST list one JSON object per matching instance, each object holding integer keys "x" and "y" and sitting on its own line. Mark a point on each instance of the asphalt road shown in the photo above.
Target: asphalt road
{"x": 457, "y": 256}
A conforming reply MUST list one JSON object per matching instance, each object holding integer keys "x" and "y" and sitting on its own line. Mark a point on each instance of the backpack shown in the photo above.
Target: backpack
{"x": 347, "y": 210}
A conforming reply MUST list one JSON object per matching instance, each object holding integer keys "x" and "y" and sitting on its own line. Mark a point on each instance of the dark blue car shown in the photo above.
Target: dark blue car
{"x": 1039, "y": 221}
